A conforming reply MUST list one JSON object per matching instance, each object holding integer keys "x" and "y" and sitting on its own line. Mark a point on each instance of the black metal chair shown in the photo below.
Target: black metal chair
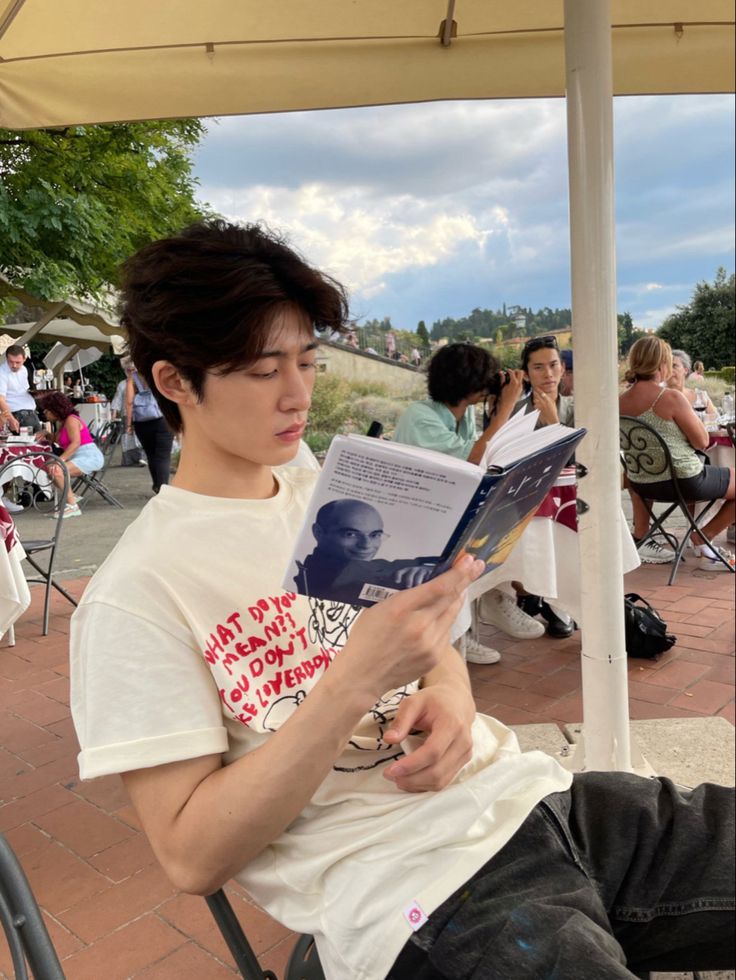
{"x": 644, "y": 451}
{"x": 43, "y": 546}
{"x": 107, "y": 439}
{"x": 303, "y": 962}
{"x": 25, "y": 930}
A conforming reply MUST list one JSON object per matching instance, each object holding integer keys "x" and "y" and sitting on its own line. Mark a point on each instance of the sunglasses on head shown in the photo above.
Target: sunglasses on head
{"x": 538, "y": 342}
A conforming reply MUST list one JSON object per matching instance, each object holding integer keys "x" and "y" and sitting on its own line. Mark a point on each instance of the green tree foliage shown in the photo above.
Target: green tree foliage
{"x": 627, "y": 333}
{"x": 705, "y": 326}
{"x": 423, "y": 333}
{"x": 75, "y": 202}
{"x": 487, "y": 323}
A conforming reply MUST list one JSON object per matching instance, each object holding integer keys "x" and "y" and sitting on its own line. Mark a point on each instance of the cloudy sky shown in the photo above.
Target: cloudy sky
{"x": 427, "y": 211}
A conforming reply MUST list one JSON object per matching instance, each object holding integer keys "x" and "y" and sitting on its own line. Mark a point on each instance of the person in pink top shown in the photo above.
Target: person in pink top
{"x": 78, "y": 448}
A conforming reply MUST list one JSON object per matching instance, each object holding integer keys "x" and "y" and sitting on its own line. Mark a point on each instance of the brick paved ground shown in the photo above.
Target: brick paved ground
{"x": 110, "y": 910}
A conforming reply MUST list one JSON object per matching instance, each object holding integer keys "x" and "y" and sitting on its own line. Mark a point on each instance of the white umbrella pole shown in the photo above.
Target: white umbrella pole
{"x": 606, "y": 744}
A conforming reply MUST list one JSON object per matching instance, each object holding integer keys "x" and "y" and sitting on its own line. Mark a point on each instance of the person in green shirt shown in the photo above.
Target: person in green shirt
{"x": 460, "y": 377}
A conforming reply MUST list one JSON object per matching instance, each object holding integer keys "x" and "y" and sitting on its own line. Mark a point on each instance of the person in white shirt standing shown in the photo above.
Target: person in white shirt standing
{"x": 17, "y": 405}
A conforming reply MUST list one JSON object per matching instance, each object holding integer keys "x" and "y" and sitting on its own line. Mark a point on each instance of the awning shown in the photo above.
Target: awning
{"x": 83, "y": 61}
{"x": 74, "y": 322}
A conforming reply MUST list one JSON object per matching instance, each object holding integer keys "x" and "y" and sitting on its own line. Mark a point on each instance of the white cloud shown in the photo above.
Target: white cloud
{"x": 429, "y": 210}
{"x": 356, "y": 238}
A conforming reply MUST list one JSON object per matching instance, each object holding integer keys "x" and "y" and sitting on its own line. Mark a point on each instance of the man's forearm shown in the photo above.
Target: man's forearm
{"x": 451, "y": 670}
{"x": 235, "y": 811}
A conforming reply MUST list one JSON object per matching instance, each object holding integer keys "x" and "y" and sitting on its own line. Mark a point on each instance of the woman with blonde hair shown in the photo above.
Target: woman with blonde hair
{"x": 671, "y": 415}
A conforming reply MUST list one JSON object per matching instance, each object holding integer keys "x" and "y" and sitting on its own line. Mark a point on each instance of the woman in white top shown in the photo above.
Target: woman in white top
{"x": 681, "y": 372}
{"x": 669, "y": 412}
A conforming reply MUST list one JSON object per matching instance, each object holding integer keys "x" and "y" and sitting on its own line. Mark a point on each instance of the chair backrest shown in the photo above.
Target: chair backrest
{"x": 23, "y": 923}
{"x": 232, "y": 932}
{"x": 25, "y": 464}
{"x": 643, "y": 451}
{"x": 107, "y": 439}
{"x": 303, "y": 963}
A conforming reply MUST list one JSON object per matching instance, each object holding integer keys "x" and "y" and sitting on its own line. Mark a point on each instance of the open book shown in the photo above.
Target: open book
{"x": 385, "y": 516}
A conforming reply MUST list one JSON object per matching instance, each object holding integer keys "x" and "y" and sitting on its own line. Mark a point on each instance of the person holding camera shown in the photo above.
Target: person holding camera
{"x": 459, "y": 377}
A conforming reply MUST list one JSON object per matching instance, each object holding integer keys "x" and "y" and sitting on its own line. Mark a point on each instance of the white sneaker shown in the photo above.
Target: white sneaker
{"x": 652, "y": 553}
{"x": 12, "y": 508}
{"x": 709, "y": 560}
{"x": 476, "y": 653}
{"x": 495, "y": 608}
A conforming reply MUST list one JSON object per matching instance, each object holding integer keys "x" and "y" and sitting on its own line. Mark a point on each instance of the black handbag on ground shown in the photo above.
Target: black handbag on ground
{"x": 646, "y": 631}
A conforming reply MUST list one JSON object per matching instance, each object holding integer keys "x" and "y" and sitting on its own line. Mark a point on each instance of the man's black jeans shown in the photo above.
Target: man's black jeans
{"x": 620, "y": 875}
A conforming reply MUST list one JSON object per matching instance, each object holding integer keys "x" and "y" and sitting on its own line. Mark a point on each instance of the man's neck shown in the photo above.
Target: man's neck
{"x": 458, "y": 410}
{"x": 239, "y": 480}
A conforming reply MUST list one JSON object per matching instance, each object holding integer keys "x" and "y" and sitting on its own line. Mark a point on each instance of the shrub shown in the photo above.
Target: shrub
{"x": 384, "y": 410}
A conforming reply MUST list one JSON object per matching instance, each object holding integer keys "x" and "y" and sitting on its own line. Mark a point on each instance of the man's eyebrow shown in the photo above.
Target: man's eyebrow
{"x": 280, "y": 353}
{"x": 356, "y": 530}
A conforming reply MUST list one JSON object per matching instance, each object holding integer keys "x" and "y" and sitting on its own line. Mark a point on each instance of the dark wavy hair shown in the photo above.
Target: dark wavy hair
{"x": 205, "y": 300}
{"x": 458, "y": 371}
{"x": 59, "y": 404}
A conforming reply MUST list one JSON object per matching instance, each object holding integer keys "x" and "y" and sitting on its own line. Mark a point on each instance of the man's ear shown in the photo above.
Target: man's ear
{"x": 317, "y": 532}
{"x": 172, "y": 384}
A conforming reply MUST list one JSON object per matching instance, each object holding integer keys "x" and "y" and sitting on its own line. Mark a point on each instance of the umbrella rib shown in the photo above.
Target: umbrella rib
{"x": 210, "y": 46}
{"x": 10, "y": 16}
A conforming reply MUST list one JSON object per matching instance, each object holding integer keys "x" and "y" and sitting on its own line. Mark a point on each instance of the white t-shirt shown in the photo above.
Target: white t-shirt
{"x": 185, "y": 644}
{"x": 14, "y": 388}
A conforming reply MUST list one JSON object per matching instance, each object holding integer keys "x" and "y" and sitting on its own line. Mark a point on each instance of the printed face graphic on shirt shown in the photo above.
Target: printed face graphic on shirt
{"x": 348, "y": 529}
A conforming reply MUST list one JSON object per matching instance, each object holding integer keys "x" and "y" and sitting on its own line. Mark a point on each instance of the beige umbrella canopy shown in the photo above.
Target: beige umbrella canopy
{"x": 83, "y": 61}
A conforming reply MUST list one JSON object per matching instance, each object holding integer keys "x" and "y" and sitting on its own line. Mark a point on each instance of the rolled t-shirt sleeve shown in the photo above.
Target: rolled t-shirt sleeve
{"x": 140, "y": 696}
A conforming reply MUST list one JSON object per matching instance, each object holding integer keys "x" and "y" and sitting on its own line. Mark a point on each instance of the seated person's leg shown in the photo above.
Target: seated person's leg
{"x": 651, "y": 553}
{"x": 499, "y": 608}
{"x": 718, "y": 523}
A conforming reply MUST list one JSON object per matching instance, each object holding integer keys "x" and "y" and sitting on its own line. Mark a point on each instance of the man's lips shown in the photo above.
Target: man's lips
{"x": 293, "y": 432}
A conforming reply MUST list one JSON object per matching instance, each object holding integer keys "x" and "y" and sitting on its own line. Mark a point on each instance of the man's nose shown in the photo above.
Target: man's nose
{"x": 298, "y": 394}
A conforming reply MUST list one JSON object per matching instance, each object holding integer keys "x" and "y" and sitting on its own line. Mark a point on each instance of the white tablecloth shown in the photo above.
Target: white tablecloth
{"x": 546, "y": 561}
{"x": 31, "y": 467}
{"x": 15, "y": 596}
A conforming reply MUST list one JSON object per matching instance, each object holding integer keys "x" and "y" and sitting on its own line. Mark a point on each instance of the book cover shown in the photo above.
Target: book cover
{"x": 385, "y": 516}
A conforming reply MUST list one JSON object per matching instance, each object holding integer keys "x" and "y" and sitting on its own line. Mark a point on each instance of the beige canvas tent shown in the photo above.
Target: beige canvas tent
{"x": 84, "y": 61}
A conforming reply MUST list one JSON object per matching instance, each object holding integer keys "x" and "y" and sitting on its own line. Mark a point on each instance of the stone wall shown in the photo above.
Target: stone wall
{"x": 356, "y": 365}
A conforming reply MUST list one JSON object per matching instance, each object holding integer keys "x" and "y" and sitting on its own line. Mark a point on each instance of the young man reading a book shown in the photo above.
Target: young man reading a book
{"x": 288, "y": 743}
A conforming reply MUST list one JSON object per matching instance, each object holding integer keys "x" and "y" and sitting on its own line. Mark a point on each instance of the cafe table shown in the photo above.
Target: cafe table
{"x": 545, "y": 559}
{"x": 31, "y": 467}
{"x": 15, "y": 595}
